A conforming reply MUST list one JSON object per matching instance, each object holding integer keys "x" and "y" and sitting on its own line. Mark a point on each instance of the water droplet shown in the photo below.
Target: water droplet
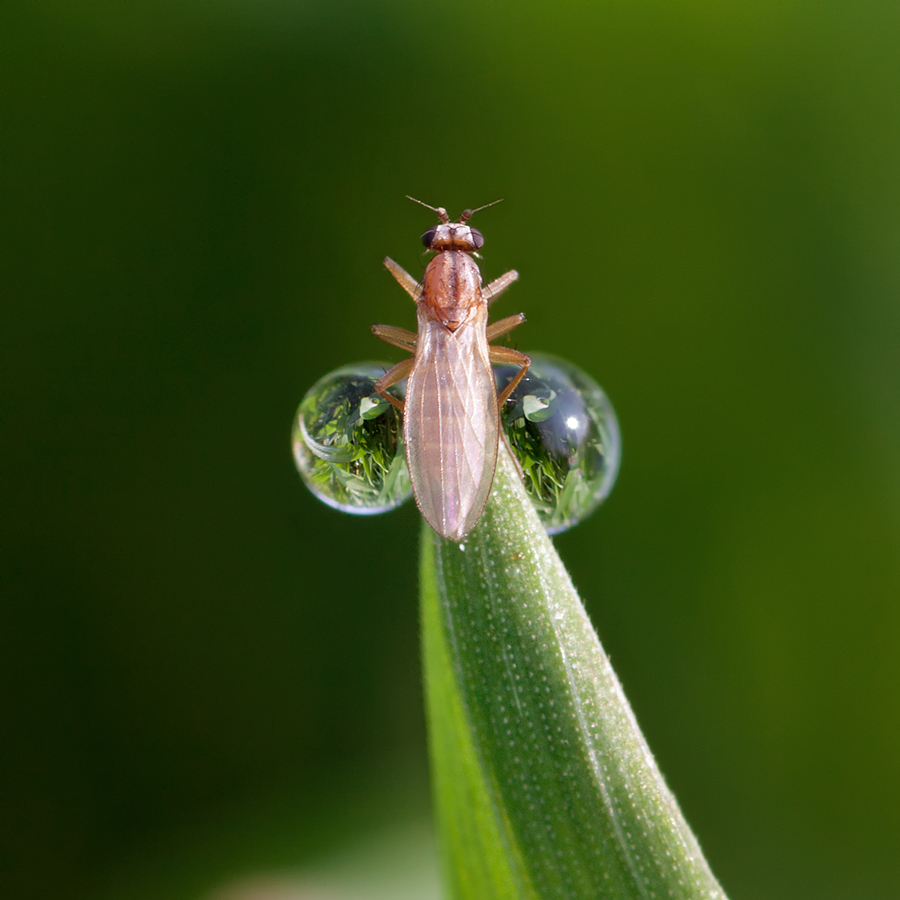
{"x": 348, "y": 442}
{"x": 565, "y": 435}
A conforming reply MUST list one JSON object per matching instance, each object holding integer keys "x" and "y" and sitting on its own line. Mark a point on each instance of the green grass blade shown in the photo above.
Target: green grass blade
{"x": 544, "y": 785}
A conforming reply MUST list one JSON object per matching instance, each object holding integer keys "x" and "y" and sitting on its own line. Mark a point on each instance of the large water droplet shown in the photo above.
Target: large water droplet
{"x": 348, "y": 442}
{"x": 565, "y": 435}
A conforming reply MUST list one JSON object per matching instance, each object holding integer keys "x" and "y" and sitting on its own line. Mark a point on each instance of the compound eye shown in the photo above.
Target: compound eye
{"x": 477, "y": 238}
{"x": 428, "y": 237}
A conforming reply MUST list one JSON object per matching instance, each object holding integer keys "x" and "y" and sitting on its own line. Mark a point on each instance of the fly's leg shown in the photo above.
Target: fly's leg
{"x": 504, "y": 326}
{"x": 508, "y": 356}
{"x": 493, "y": 290}
{"x": 407, "y": 282}
{"x": 405, "y": 340}
{"x": 399, "y": 337}
{"x": 392, "y": 376}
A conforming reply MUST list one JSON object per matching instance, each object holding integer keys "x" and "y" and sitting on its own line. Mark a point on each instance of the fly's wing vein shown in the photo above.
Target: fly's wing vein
{"x": 469, "y": 405}
{"x": 451, "y": 427}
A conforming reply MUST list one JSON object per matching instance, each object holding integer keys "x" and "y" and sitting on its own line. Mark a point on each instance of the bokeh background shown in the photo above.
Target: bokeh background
{"x": 210, "y": 681}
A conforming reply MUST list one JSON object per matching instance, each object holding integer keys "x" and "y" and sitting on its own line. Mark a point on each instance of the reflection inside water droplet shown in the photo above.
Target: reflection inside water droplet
{"x": 565, "y": 436}
{"x": 348, "y": 443}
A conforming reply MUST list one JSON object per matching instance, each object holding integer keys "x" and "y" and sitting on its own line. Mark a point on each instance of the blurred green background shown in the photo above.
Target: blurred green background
{"x": 205, "y": 673}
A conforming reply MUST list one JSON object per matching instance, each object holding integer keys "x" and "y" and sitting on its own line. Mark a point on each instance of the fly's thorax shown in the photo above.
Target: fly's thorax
{"x": 451, "y": 289}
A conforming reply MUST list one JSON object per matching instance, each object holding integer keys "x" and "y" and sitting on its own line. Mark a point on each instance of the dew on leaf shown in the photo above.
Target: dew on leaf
{"x": 565, "y": 436}
{"x": 348, "y": 442}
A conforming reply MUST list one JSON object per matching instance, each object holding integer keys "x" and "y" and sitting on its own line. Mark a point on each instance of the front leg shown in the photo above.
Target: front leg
{"x": 493, "y": 290}
{"x": 407, "y": 282}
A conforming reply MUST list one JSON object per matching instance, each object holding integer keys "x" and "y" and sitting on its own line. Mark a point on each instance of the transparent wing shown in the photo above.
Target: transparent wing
{"x": 451, "y": 425}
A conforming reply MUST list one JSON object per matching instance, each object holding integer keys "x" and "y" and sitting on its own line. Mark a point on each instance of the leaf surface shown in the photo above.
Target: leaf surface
{"x": 544, "y": 784}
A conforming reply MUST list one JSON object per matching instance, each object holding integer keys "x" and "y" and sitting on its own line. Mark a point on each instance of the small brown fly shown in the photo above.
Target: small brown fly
{"x": 451, "y": 416}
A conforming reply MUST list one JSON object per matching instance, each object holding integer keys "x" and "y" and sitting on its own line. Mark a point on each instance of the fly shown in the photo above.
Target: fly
{"x": 451, "y": 415}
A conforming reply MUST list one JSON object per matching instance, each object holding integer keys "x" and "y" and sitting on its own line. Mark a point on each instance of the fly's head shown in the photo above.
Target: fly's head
{"x": 453, "y": 235}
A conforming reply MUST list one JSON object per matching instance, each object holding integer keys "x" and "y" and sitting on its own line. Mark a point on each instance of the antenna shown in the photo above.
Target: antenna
{"x": 468, "y": 213}
{"x": 442, "y": 213}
